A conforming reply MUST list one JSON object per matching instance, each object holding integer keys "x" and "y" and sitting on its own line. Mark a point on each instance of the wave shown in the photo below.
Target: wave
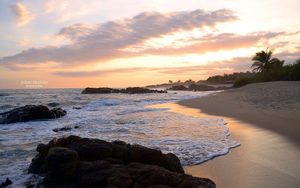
{"x": 113, "y": 117}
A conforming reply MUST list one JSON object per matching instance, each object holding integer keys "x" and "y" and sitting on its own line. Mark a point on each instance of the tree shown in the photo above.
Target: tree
{"x": 263, "y": 61}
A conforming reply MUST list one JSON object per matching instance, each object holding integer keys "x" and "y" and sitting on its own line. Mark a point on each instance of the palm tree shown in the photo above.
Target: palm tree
{"x": 263, "y": 61}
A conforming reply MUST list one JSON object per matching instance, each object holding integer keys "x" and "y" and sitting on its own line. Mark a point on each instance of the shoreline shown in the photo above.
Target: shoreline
{"x": 270, "y": 137}
{"x": 279, "y": 114}
{"x": 264, "y": 158}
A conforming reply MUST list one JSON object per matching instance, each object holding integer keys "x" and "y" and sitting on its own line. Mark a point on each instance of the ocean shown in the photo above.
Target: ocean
{"x": 126, "y": 117}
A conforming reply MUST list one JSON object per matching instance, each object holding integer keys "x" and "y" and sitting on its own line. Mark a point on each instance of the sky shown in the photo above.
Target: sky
{"x": 121, "y": 43}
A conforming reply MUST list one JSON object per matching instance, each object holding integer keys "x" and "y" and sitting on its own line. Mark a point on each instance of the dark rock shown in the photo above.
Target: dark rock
{"x": 179, "y": 87}
{"x": 129, "y": 90}
{"x": 62, "y": 129}
{"x": 140, "y": 90}
{"x": 202, "y": 87}
{"x": 58, "y": 112}
{"x": 6, "y": 183}
{"x": 53, "y": 104}
{"x": 77, "y": 107}
{"x": 81, "y": 162}
{"x": 65, "y": 128}
{"x": 4, "y": 94}
{"x": 196, "y": 87}
{"x": 61, "y": 164}
{"x": 29, "y": 113}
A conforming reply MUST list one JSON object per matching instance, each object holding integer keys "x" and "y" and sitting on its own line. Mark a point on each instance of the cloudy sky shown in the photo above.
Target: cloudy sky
{"x": 118, "y": 43}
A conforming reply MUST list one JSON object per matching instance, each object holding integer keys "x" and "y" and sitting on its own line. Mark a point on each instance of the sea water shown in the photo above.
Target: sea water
{"x": 109, "y": 117}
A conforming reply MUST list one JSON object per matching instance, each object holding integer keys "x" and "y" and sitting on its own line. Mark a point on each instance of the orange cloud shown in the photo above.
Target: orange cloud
{"x": 106, "y": 41}
{"x": 23, "y": 15}
{"x": 23, "y": 43}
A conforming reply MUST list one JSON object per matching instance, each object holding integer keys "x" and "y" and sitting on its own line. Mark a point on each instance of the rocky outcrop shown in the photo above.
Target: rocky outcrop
{"x": 129, "y": 90}
{"x": 178, "y": 88}
{"x": 29, "y": 113}
{"x": 196, "y": 87}
{"x": 81, "y": 162}
{"x": 6, "y": 183}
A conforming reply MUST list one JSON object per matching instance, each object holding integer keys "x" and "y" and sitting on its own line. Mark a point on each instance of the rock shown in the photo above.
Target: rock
{"x": 202, "y": 87}
{"x": 6, "y": 183}
{"x": 140, "y": 90}
{"x": 196, "y": 87}
{"x": 62, "y": 129}
{"x": 179, "y": 87}
{"x": 61, "y": 164}
{"x": 77, "y": 107}
{"x": 129, "y": 90}
{"x": 101, "y": 90}
{"x": 29, "y": 113}
{"x": 58, "y": 112}
{"x": 81, "y": 162}
{"x": 53, "y": 104}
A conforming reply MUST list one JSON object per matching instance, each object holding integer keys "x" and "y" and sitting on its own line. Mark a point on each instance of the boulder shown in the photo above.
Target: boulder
{"x": 81, "y": 162}
{"x": 29, "y": 113}
{"x": 129, "y": 90}
{"x": 61, "y": 163}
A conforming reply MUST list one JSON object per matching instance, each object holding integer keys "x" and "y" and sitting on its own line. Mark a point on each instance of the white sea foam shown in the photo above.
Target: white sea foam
{"x": 110, "y": 117}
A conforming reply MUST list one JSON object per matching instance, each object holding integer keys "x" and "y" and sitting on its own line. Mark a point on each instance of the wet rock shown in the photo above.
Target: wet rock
{"x": 129, "y": 90}
{"x": 6, "y": 183}
{"x": 77, "y": 107}
{"x": 29, "y": 113}
{"x": 62, "y": 129}
{"x": 81, "y": 162}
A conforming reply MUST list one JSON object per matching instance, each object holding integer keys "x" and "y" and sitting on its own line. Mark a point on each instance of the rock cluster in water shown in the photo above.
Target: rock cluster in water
{"x": 81, "y": 162}
{"x": 129, "y": 90}
{"x": 29, "y": 113}
{"x": 196, "y": 87}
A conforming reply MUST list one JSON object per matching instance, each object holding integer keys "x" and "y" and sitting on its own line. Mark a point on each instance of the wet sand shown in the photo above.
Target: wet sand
{"x": 264, "y": 159}
{"x": 265, "y": 119}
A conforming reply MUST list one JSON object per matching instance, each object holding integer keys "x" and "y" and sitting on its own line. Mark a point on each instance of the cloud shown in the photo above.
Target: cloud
{"x": 235, "y": 64}
{"x": 23, "y": 43}
{"x": 63, "y": 10}
{"x": 23, "y": 15}
{"x": 97, "y": 73}
{"x": 105, "y": 41}
{"x": 50, "y": 5}
{"x": 76, "y": 31}
{"x": 214, "y": 42}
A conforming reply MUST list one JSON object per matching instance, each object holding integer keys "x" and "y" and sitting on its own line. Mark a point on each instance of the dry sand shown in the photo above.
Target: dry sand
{"x": 271, "y": 105}
{"x": 265, "y": 119}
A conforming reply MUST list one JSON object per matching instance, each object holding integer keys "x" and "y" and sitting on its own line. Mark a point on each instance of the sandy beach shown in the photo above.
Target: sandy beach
{"x": 265, "y": 119}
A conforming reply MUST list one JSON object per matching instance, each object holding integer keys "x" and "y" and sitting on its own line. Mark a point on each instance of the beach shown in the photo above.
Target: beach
{"x": 264, "y": 118}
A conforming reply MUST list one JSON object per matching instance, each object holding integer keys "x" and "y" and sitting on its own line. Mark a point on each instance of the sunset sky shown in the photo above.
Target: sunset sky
{"x": 119, "y": 43}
